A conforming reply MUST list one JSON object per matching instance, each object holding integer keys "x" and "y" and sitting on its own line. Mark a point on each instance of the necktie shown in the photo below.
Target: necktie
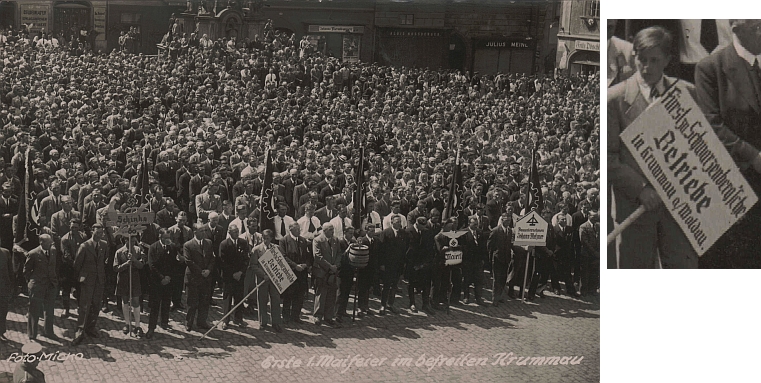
{"x": 653, "y": 93}
{"x": 343, "y": 226}
{"x": 243, "y": 228}
{"x": 282, "y": 226}
{"x": 96, "y": 248}
{"x": 709, "y": 35}
{"x": 311, "y": 225}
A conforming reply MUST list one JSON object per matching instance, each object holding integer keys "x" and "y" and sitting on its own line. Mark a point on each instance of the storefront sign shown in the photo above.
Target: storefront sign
{"x": 686, "y": 163}
{"x": 336, "y": 29}
{"x": 505, "y": 44}
{"x": 38, "y": 16}
{"x": 587, "y": 45}
{"x": 100, "y": 22}
{"x": 413, "y": 33}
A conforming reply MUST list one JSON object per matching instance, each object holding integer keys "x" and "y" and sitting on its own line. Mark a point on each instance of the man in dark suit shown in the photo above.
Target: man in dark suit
{"x": 655, "y": 234}
{"x": 40, "y": 271}
{"x": 473, "y": 256}
{"x": 295, "y": 249}
{"x": 500, "y": 245}
{"x": 729, "y": 94}
{"x": 198, "y": 255}
{"x": 7, "y": 289}
{"x": 419, "y": 262}
{"x": 180, "y": 233}
{"x": 67, "y": 278}
{"x": 366, "y": 276}
{"x": 233, "y": 253}
{"x": 394, "y": 244}
{"x": 89, "y": 265}
{"x": 8, "y": 208}
{"x": 327, "y": 257}
{"x": 327, "y": 212}
{"x": 161, "y": 265}
{"x": 564, "y": 256}
{"x": 579, "y": 217}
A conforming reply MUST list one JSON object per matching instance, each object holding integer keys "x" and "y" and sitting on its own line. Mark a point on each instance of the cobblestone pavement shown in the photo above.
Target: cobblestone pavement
{"x": 470, "y": 344}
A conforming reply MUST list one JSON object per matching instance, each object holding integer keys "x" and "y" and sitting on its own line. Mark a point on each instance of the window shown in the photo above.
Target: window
{"x": 594, "y": 8}
{"x": 407, "y": 20}
{"x": 130, "y": 18}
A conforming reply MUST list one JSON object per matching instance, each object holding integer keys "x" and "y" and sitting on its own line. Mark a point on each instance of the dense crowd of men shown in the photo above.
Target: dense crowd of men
{"x": 206, "y": 115}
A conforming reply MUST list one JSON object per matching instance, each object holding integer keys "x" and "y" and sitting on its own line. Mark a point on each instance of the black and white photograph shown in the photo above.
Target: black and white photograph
{"x": 684, "y": 98}
{"x": 342, "y": 190}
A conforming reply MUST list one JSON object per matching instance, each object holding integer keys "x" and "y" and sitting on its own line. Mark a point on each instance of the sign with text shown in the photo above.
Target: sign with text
{"x": 689, "y": 167}
{"x": 531, "y": 230}
{"x": 336, "y": 29}
{"x": 587, "y": 45}
{"x": 100, "y": 22}
{"x": 277, "y": 269}
{"x": 38, "y": 16}
{"x": 129, "y": 224}
{"x": 505, "y": 44}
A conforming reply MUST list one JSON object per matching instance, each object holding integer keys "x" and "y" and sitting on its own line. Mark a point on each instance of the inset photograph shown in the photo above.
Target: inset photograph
{"x": 684, "y": 101}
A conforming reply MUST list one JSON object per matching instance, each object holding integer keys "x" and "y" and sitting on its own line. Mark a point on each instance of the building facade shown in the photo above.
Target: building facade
{"x": 486, "y": 36}
{"x": 578, "y": 38}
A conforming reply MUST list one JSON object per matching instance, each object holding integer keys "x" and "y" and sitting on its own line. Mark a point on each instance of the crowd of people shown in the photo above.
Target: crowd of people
{"x": 205, "y": 118}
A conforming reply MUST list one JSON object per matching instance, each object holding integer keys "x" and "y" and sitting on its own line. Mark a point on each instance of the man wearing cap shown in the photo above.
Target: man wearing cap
{"x": 40, "y": 270}
{"x": 89, "y": 265}
{"x": 26, "y": 371}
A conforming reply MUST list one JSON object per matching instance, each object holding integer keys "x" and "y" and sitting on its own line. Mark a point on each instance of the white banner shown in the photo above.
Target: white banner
{"x": 277, "y": 269}
{"x": 689, "y": 167}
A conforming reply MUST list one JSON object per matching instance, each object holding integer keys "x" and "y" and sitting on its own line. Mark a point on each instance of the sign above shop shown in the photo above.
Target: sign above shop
{"x": 505, "y": 44}
{"x": 587, "y": 45}
{"x": 336, "y": 29}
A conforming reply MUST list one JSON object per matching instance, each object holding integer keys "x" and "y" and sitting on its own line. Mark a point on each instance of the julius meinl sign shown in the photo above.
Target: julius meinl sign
{"x": 689, "y": 167}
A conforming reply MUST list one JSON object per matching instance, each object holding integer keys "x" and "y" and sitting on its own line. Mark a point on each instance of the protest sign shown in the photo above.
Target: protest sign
{"x": 689, "y": 167}
{"x": 277, "y": 269}
{"x": 531, "y": 230}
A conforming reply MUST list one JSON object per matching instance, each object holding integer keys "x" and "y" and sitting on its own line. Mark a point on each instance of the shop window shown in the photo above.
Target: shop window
{"x": 130, "y": 18}
{"x": 594, "y": 8}
{"x": 407, "y": 19}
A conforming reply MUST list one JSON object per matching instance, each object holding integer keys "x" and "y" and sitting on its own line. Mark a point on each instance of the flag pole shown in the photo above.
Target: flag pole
{"x": 233, "y": 309}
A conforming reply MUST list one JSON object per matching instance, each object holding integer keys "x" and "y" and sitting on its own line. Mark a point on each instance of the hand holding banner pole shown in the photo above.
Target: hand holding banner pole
{"x": 620, "y": 228}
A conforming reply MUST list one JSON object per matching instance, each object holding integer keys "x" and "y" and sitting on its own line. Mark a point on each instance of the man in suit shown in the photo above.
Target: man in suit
{"x": 208, "y": 201}
{"x": 590, "y": 253}
{"x": 198, "y": 255}
{"x": 366, "y": 276}
{"x": 267, "y": 291}
{"x": 90, "y": 212}
{"x": 216, "y": 235}
{"x": 580, "y": 217}
{"x": 7, "y": 289}
{"x": 327, "y": 212}
{"x": 500, "y": 246}
{"x": 620, "y": 57}
{"x": 729, "y": 93}
{"x": 418, "y": 211}
{"x": 67, "y": 277}
{"x": 40, "y": 271}
{"x": 162, "y": 263}
{"x": 61, "y": 220}
{"x": 295, "y": 249}
{"x": 233, "y": 252}
{"x": 473, "y": 256}
{"x": 327, "y": 258}
{"x": 8, "y": 208}
{"x": 51, "y": 203}
{"x": 179, "y": 233}
{"x": 89, "y": 265}
{"x": 419, "y": 262}
{"x": 565, "y": 257}
{"x": 656, "y": 233}
{"x": 394, "y": 244}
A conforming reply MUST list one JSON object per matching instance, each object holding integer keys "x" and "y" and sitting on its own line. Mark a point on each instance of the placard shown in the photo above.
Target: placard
{"x": 531, "y": 230}
{"x": 99, "y": 16}
{"x": 36, "y": 15}
{"x": 689, "y": 167}
{"x": 277, "y": 269}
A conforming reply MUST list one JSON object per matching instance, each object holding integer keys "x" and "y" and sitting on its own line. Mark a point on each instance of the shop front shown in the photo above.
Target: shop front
{"x": 494, "y": 56}
{"x": 416, "y": 48}
{"x": 342, "y": 41}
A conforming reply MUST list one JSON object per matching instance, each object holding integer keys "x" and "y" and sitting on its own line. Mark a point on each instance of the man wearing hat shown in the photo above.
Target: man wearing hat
{"x": 26, "y": 371}
{"x": 89, "y": 265}
{"x": 40, "y": 270}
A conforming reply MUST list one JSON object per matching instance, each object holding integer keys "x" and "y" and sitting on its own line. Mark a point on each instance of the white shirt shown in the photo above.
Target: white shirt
{"x": 743, "y": 53}
{"x": 240, "y": 224}
{"x": 568, "y": 219}
{"x": 304, "y": 225}
{"x": 278, "y": 220}
{"x": 339, "y": 232}
{"x": 645, "y": 89}
{"x": 387, "y": 220}
{"x": 376, "y": 220}
{"x": 690, "y": 49}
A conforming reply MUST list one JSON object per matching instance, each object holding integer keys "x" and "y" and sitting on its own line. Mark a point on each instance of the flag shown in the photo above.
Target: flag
{"x": 359, "y": 193}
{"x": 534, "y": 188}
{"x": 142, "y": 188}
{"x": 266, "y": 209}
{"x": 27, "y": 235}
{"x": 455, "y": 202}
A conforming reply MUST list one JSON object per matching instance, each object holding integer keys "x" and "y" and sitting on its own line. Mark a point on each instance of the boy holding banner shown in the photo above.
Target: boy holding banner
{"x": 656, "y": 235}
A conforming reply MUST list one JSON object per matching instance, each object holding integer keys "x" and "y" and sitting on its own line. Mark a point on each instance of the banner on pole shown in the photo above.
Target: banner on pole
{"x": 277, "y": 269}
{"x": 689, "y": 167}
